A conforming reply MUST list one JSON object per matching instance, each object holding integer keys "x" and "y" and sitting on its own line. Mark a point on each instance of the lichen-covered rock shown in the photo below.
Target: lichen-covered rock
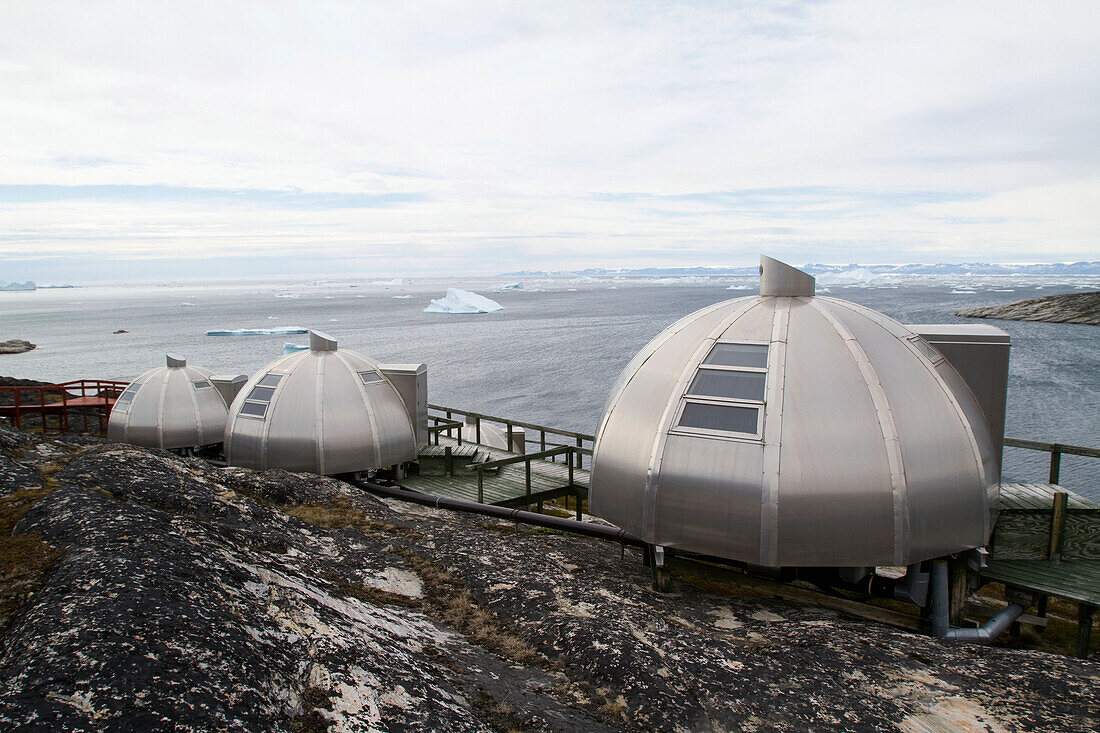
{"x": 195, "y": 598}
{"x": 15, "y": 476}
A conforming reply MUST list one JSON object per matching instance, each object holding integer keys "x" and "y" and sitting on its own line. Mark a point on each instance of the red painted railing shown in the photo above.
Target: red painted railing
{"x": 58, "y": 404}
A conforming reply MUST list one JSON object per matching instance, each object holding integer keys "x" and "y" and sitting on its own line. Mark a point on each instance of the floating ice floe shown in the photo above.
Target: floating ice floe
{"x": 186, "y": 304}
{"x": 396, "y": 297}
{"x": 287, "y": 295}
{"x": 584, "y": 280}
{"x": 258, "y": 331}
{"x": 395, "y": 281}
{"x": 289, "y": 348}
{"x": 956, "y": 291}
{"x": 463, "y": 301}
{"x": 507, "y": 286}
{"x": 823, "y": 290}
{"x": 741, "y": 287}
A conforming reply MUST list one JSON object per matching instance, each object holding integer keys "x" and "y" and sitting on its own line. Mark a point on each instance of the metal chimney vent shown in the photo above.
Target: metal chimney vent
{"x": 319, "y": 341}
{"x": 779, "y": 278}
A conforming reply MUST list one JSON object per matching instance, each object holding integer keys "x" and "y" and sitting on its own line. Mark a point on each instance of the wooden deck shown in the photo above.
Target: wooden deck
{"x": 503, "y": 486}
{"x": 1047, "y": 541}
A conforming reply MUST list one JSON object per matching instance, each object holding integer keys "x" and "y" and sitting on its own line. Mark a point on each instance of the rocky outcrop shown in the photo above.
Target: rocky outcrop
{"x": 1073, "y": 308}
{"x": 16, "y": 346}
{"x": 196, "y": 598}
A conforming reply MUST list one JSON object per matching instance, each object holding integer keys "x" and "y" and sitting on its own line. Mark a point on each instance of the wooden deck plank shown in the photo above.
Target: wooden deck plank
{"x": 1076, "y": 580}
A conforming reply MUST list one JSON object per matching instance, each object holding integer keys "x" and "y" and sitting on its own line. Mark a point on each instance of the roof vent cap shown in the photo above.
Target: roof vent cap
{"x": 779, "y": 278}
{"x": 175, "y": 360}
{"x": 320, "y": 341}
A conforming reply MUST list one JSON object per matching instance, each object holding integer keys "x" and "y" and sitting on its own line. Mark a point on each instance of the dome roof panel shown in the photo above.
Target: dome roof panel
{"x": 828, "y": 442}
{"x": 169, "y": 407}
{"x": 637, "y": 409}
{"x": 862, "y": 425}
{"x": 321, "y": 416}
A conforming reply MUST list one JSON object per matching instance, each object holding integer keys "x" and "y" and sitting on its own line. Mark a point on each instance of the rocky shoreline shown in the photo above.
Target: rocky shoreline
{"x": 177, "y": 595}
{"x": 1081, "y": 308}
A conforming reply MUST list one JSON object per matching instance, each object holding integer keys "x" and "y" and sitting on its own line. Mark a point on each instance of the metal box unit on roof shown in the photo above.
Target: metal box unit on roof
{"x": 788, "y": 429}
{"x": 174, "y": 406}
{"x": 325, "y": 410}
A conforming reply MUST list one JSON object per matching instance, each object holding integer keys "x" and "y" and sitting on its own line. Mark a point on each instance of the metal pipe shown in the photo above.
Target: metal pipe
{"x": 613, "y": 534}
{"x": 941, "y": 624}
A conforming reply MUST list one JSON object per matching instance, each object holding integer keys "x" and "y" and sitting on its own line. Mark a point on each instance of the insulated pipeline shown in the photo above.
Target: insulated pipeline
{"x": 613, "y": 534}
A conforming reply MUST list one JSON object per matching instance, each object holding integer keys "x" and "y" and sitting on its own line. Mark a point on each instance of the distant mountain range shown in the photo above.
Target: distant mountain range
{"x": 7, "y": 287}
{"x": 967, "y": 268}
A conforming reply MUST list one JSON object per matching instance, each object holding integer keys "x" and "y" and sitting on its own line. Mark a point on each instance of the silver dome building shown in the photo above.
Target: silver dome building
{"x": 324, "y": 410}
{"x": 174, "y": 406}
{"x": 793, "y": 430}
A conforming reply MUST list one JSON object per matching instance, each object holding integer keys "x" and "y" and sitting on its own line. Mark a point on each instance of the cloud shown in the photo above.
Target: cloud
{"x": 611, "y": 132}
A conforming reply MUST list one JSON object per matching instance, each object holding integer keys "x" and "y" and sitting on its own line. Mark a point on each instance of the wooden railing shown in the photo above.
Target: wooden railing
{"x": 57, "y": 404}
{"x": 580, "y": 443}
{"x": 1055, "y": 450}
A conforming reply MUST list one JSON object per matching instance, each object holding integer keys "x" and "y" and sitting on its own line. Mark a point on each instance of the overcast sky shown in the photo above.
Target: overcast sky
{"x": 174, "y": 139}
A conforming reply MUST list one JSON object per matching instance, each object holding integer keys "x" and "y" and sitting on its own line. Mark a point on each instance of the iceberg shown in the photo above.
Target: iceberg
{"x": 507, "y": 286}
{"x": 395, "y": 281}
{"x": 396, "y": 297}
{"x": 463, "y": 301}
{"x": 859, "y": 276}
{"x": 289, "y": 348}
{"x": 259, "y": 331}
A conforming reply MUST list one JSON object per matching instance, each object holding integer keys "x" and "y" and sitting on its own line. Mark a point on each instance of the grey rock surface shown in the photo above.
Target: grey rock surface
{"x": 1081, "y": 308}
{"x": 195, "y": 598}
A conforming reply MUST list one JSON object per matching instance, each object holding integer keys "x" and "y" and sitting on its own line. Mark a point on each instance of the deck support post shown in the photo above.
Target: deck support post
{"x": 448, "y": 461}
{"x": 480, "y": 486}
{"x": 1055, "y": 466}
{"x": 1084, "y": 628}
{"x": 662, "y": 578}
{"x": 1058, "y": 526}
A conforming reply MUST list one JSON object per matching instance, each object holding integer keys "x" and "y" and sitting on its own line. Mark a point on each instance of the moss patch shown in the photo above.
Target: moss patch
{"x": 25, "y": 559}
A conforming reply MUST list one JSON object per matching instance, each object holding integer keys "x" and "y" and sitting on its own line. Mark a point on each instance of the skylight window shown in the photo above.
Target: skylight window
{"x": 122, "y": 402}
{"x": 370, "y": 377}
{"x": 202, "y": 384}
{"x": 738, "y": 355}
{"x": 726, "y": 396}
{"x": 254, "y": 409}
{"x": 726, "y": 418}
{"x": 726, "y": 384}
{"x": 255, "y": 404}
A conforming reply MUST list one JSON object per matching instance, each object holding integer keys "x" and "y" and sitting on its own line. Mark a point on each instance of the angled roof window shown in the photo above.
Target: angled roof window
{"x": 728, "y": 384}
{"x": 202, "y": 384}
{"x": 261, "y": 394}
{"x": 754, "y": 356}
{"x": 269, "y": 380}
{"x": 254, "y": 409}
{"x": 725, "y": 418}
{"x": 370, "y": 377}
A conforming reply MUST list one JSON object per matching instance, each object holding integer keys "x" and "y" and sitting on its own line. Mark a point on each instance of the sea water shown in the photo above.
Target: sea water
{"x": 549, "y": 357}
